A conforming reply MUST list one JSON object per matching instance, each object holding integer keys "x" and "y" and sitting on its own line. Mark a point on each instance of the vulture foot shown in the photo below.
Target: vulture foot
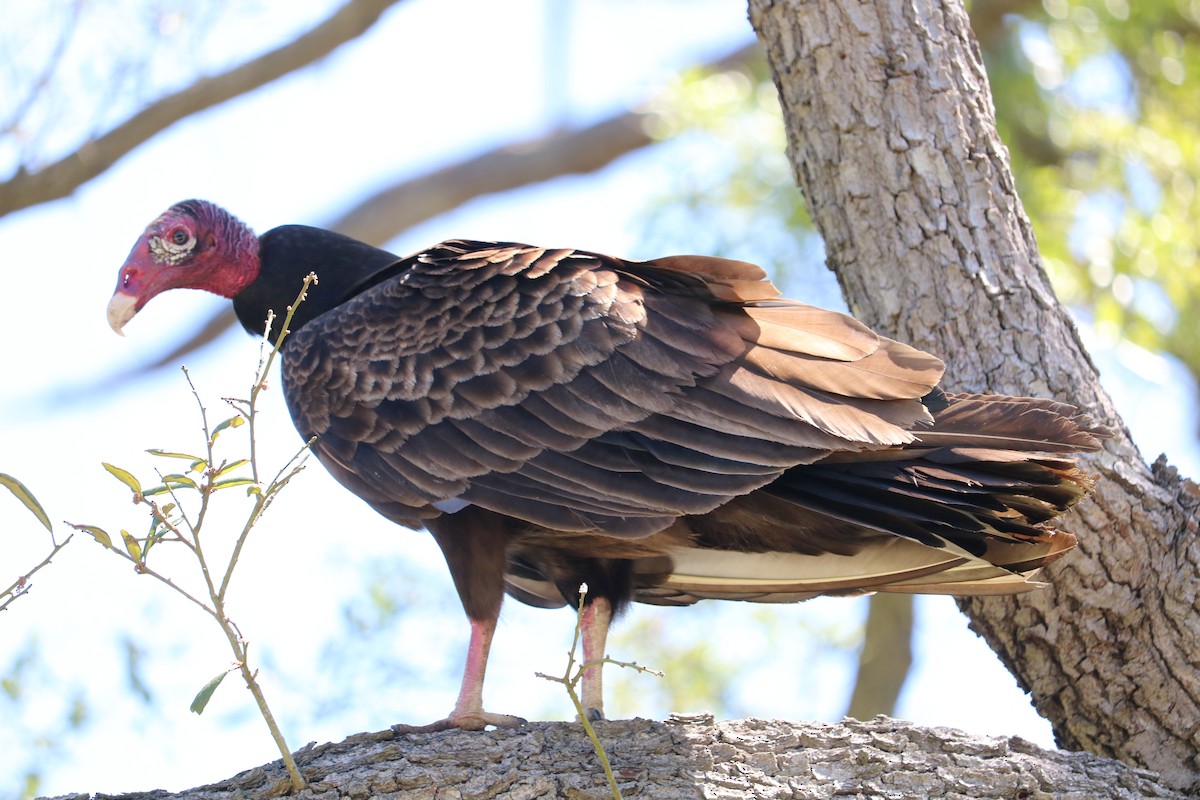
{"x": 594, "y": 714}
{"x": 471, "y": 721}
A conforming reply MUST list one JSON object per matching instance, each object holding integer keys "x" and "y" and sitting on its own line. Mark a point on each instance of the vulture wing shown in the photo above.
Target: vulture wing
{"x": 582, "y": 393}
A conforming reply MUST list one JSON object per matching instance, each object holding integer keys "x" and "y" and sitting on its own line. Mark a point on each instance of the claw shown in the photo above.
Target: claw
{"x": 471, "y": 721}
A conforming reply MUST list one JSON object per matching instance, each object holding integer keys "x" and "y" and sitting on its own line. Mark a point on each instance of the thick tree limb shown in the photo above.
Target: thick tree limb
{"x": 59, "y": 179}
{"x": 387, "y": 213}
{"x": 892, "y": 136}
{"x": 384, "y": 215}
{"x": 689, "y": 758}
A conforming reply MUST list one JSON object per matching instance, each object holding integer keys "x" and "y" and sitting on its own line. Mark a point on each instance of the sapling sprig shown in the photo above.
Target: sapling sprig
{"x": 207, "y": 475}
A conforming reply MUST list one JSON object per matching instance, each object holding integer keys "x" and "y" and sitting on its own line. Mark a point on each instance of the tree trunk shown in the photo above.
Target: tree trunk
{"x": 892, "y": 136}
{"x": 688, "y": 757}
{"x": 885, "y": 658}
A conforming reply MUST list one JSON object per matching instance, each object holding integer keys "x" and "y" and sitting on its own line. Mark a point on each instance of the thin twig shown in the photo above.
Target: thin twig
{"x": 143, "y": 569}
{"x": 570, "y": 679}
{"x": 205, "y": 495}
{"x": 59, "y": 179}
{"x": 38, "y": 85}
{"x": 21, "y": 585}
{"x": 162, "y": 525}
{"x": 260, "y": 378}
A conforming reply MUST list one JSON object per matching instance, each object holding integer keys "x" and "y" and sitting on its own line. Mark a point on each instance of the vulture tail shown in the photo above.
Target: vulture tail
{"x": 966, "y": 509}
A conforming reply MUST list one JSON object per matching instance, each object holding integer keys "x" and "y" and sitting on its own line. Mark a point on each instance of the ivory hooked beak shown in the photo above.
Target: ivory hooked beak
{"x": 121, "y": 308}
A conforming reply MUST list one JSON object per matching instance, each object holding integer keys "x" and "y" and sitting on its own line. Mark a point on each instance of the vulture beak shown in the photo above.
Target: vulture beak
{"x": 121, "y": 309}
{"x": 141, "y": 278}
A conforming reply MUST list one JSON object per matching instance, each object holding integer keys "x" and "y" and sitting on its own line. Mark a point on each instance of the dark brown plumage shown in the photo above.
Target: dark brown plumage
{"x": 664, "y": 431}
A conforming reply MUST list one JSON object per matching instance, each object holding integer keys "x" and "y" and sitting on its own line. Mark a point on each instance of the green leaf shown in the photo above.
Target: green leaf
{"x": 158, "y": 529}
{"x": 25, "y": 496}
{"x": 205, "y": 694}
{"x": 225, "y": 484}
{"x": 231, "y": 467}
{"x": 172, "y": 481}
{"x": 150, "y": 540}
{"x": 97, "y": 533}
{"x": 232, "y": 422}
{"x": 170, "y": 454}
{"x": 131, "y": 545}
{"x": 124, "y": 477}
{"x": 176, "y": 479}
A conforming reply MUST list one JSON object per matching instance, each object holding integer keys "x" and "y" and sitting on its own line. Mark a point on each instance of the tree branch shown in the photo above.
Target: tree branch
{"x": 390, "y": 212}
{"x": 386, "y": 214}
{"x": 59, "y": 179}
{"x": 691, "y": 757}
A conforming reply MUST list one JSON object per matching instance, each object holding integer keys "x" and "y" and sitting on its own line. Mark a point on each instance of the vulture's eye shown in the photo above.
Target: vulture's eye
{"x": 173, "y": 247}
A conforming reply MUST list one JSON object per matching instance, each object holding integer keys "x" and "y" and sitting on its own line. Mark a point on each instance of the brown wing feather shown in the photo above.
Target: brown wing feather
{"x": 723, "y": 278}
{"x": 799, "y": 328}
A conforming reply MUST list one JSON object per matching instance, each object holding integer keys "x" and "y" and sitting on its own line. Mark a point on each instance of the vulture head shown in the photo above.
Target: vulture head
{"x": 192, "y": 245}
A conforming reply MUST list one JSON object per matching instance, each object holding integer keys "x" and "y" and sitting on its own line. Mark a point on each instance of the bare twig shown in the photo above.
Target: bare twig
{"x": 40, "y": 83}
{"x": 21, "y": 585}
{"x": 570, "y": 680}
{"x": 262, "y": 497}
{"x": 59, "y": 179}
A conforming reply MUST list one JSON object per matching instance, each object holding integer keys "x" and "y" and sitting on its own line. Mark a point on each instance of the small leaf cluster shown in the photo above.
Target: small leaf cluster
{"x": 167, "y": 521}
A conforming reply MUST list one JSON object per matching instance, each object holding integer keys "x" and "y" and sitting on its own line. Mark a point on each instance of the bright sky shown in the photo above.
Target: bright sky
{"x": 432, "y": 82}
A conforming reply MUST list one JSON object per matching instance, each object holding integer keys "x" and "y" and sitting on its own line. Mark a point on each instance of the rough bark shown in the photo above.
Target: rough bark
{"x": 688, "y": 757}
{"x": 892, "y": 136}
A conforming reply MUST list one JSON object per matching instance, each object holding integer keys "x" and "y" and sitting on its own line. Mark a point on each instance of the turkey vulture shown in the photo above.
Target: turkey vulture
{"x": 665, "y": 431}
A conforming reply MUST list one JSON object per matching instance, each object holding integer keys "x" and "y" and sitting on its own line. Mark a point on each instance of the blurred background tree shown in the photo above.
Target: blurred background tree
{"x": 1093, "y": 98}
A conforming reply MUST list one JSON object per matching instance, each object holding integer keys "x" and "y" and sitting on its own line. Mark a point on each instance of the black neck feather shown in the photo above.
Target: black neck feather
{"x": 344, "y": 267}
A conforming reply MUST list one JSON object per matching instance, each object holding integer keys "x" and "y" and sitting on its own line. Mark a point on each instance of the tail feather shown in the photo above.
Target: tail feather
{"x": 974, "y": 421}
{"x": 965, "y": 510}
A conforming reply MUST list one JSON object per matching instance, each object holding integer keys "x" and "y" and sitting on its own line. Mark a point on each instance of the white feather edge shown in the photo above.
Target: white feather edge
{"x": 897, "y": 564}
{"x": 891, "y": 565}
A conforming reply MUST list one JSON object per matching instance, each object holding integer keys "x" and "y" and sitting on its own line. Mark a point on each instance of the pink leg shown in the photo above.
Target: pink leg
{"x": 594, "y": 631}
{"x": 468, "y": 713}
